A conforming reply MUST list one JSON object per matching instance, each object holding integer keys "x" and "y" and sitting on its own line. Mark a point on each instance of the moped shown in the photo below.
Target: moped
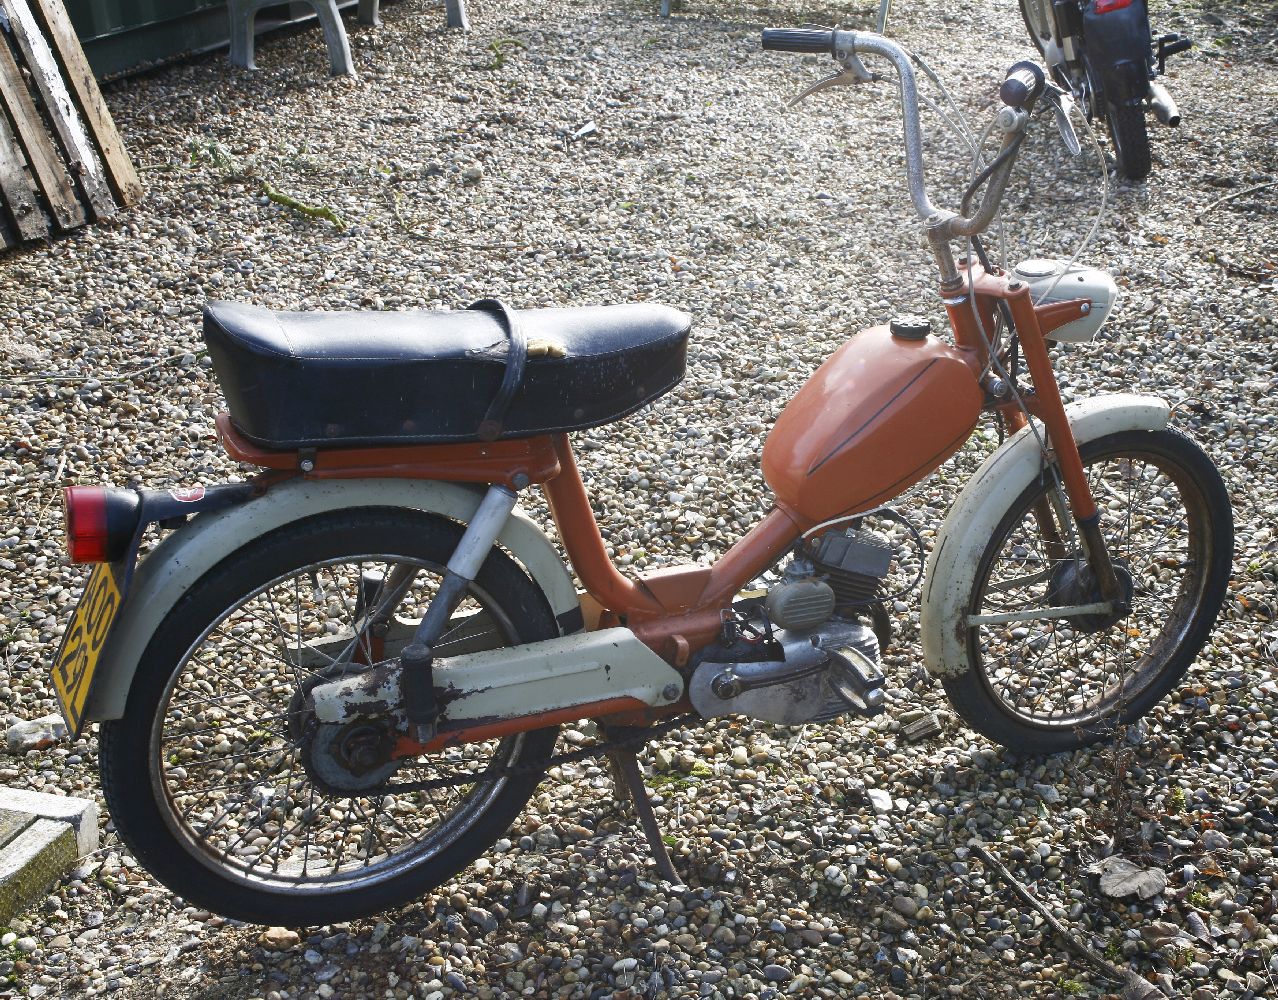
{"x": 329, "y": 688}
{"x": 1103, "y": 52}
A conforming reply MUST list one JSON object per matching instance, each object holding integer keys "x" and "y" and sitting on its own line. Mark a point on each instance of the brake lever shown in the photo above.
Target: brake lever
{"x": 853, "y": 71}
{"x": 1062, "y": 103}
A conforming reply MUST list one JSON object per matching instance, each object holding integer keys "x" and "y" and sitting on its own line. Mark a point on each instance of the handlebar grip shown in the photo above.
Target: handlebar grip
{"x": 1024, "y": 84}
{"x": 799, "y": 40}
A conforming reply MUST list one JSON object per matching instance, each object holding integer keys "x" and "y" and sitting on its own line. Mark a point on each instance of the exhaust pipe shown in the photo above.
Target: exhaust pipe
{"x": 1164, "y": 107}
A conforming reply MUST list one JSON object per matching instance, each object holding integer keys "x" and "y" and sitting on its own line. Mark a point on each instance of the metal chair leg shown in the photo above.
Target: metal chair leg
{"x": 885, "y": 8}
{"x": 243, "y": 14}
{"x": 370, "y": 13}
{"x": 339, "y": 47}
{"x": 456, "y": 10}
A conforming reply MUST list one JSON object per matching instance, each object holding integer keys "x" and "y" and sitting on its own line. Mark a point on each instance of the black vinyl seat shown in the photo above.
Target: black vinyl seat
{"x": 351, "y": 379}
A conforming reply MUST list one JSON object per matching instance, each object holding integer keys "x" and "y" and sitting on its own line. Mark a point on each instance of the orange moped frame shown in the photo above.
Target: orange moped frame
{"x": 880, "y": 414}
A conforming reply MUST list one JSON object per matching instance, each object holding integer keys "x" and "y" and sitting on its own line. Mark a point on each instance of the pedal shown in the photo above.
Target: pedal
{"x": 857, "y": 679}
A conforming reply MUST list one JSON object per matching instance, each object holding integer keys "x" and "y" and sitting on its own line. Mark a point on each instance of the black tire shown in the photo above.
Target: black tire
{"x": 1030, "y": 25}
{"x": 1131, "y": 139}
{"x": 1151, "y": 486}
{"x": 220, "y": 673}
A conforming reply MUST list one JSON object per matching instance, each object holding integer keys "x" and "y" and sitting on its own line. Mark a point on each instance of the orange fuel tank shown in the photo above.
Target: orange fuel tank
{"x": 877, "y": 417}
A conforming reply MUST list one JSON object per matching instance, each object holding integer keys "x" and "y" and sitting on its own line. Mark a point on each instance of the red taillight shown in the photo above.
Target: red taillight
{"x": 1105, "y": 6}
{"x": 99, "y": 522}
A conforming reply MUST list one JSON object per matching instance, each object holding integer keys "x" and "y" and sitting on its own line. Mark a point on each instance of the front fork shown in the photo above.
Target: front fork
{"x": 1048, "y": 407}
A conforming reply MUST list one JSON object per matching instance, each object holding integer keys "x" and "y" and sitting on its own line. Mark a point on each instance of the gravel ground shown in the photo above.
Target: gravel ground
{"x": 829, "y": 862}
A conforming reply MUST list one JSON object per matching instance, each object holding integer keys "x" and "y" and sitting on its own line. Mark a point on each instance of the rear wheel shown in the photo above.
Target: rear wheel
{"x": 1131, "y": 139}
{"x": 211, "y": 775}
{"x": 1049, "y": 684}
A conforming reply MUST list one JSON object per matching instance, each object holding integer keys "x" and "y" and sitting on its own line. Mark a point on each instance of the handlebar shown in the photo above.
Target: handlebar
{"x": 1025, "y": 82}
{"x": 799, "y": 40}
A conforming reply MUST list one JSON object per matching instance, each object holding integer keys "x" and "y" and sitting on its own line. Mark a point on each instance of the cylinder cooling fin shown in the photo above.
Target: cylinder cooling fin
{"x": 872, "y": 558}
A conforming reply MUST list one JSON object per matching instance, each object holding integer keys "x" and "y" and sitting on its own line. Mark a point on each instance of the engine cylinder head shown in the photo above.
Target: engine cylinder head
{"x": 854, "y": 563}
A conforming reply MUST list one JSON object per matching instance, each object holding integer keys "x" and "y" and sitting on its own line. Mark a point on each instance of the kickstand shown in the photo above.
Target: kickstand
{"x": 629, "y": 781}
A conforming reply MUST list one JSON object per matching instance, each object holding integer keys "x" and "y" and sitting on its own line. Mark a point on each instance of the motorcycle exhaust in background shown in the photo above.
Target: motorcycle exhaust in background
{"x": 1163, "y": 105}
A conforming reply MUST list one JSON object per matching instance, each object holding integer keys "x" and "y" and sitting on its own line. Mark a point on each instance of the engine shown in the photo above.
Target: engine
{"x": 792, "y": 677}
{"x": 802, "y": 655}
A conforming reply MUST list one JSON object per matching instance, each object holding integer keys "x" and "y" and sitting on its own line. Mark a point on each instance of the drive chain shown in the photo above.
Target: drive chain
{"x": 640, "y": 738}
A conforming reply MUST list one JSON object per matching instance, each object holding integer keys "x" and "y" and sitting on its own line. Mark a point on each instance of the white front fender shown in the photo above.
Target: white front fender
{"x": 971, "y": 522}
{"x": 188, "y": 553}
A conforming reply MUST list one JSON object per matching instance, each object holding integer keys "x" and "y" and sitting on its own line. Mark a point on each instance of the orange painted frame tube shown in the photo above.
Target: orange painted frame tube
{"x": 631, "y": 600}
{"x": 503, "y": 462}
{"x": 1032, "y": 323}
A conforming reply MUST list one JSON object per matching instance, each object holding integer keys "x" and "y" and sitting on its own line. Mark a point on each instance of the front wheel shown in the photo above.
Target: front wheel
{"x": 214, "y": 777}
{"x": 1044, "y": 685}
{"x": 1127, "y": 127}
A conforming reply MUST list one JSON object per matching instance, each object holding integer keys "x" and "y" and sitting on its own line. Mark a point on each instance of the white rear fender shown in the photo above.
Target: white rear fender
{"x": 185, "y": 555}
{"x": 972, "y": 521}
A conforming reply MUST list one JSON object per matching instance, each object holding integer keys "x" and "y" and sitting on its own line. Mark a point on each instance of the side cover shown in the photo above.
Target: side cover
{"x": 190, "y": 552}
{"x": 971, "y": 522}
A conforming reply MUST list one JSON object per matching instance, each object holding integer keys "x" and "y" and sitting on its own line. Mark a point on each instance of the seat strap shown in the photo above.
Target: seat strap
{"x": 516, "y": 362}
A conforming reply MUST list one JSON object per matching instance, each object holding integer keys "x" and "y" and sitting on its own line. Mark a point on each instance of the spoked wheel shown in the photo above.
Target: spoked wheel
{"x": 1052, "y": 684}
{"x": 214, "y": 777}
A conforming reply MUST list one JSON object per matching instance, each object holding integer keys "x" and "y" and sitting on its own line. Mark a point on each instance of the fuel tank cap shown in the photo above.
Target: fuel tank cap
{"x": 910, "y": 327}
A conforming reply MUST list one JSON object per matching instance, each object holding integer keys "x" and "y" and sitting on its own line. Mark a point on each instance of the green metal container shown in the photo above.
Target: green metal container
{"x": 127, "y": 36}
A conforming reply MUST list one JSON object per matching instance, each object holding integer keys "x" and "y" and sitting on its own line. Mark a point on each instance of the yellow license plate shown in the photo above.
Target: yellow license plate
{"x": 82, "y": 645}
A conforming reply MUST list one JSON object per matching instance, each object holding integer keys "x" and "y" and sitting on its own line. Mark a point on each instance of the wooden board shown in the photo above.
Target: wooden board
{"x": 81, "y": 155}
{"x": 42, "y": 155}
{"x": 84, "y": 87}
{"x": 7, "y": 236}
{"x": 19, "y": 196}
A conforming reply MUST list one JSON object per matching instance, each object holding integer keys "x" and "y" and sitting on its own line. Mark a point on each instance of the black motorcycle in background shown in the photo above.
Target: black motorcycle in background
{"x": 1104, "y": 53}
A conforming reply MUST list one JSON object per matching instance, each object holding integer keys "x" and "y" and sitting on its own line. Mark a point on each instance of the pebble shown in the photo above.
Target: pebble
{"x": 35, "y": 734}
{"x": 907, "y": 906}
{"x": 279, "y": 939}
{"x": 777, "y": 973}
{"x": 1214, "y": 840}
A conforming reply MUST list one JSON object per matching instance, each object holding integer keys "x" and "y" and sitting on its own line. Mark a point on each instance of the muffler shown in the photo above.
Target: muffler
{"x": 1164, "y": 107}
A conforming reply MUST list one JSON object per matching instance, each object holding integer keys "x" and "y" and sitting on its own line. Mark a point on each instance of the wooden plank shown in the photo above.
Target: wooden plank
{"x": 84, "y": 87}
{"x": 82, "y": 158}
{"x": 18, "y": 194}
{"x": 42, "y": 154}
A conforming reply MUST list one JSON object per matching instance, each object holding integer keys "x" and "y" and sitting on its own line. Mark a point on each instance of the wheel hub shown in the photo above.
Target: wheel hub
{"x": 1073, "y": 582}
{"x": 341, "y": 758}
{"x": 351, "y": 757}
